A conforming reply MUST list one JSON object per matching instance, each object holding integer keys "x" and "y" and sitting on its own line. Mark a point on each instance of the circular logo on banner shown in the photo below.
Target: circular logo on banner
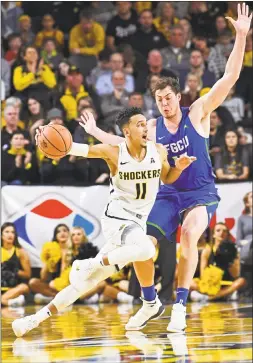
{"x": 36, "y": 221}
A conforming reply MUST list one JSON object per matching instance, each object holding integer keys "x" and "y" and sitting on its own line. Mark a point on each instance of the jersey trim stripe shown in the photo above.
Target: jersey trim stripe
{"x": 158, "y": 227}
{"x": 121, "y": 219}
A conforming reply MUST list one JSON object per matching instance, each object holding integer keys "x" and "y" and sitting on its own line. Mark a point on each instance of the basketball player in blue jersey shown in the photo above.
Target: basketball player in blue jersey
{"x": 193, "y": 198}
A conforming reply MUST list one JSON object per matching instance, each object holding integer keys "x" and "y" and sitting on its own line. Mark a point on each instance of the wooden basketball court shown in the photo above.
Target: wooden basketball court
{"x": 220, "y": 332}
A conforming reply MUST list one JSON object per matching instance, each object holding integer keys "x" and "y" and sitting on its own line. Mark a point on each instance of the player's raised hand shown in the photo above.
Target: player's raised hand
{"x": 88, "y": 122}
{"x": 242, "y": 24}
{"x": 184, "y": 161}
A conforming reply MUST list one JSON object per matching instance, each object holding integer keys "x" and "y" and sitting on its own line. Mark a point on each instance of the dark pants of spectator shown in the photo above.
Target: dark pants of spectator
{"x": 167, "y": 265}
{"x": 84, "y": 62}
{"x": 246, "y": 272}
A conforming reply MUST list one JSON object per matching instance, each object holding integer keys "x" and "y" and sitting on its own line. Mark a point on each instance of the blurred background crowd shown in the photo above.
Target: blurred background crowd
{"x": 60, "y": 58}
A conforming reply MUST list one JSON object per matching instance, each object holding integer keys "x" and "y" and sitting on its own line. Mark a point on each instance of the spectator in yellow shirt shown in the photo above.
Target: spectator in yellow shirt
{"x": 86, "y": 41}
{"x": 74, "y": 91}
{"x": 49, "y": 31}
{"x": 166, "y": 19}
{"x": 34, "y": 77}
{"x": 139, "y": 6}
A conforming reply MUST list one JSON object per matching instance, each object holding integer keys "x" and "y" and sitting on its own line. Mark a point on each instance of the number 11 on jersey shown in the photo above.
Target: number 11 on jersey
{"x": 141, "y": 190}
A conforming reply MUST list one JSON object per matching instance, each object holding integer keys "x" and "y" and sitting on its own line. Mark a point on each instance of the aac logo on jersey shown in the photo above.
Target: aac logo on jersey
{"x": 35, "y": 223}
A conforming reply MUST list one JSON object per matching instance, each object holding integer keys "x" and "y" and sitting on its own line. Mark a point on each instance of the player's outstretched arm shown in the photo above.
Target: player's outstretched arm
{"x": 170, "y": 174}
{"x": 220, "y": 90}
{"x": 101, "y": 151}
{"x": 89, "y": 124}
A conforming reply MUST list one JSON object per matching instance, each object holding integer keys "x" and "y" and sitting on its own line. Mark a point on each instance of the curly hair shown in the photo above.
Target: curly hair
{"x": 124, "y": 116}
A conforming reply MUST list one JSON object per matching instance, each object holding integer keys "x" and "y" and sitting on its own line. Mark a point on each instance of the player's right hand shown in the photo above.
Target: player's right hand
{"x": 88, "y": 122}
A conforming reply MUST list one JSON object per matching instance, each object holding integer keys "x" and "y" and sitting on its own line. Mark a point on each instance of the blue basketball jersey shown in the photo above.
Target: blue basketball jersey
{"x": 187, "y": 141}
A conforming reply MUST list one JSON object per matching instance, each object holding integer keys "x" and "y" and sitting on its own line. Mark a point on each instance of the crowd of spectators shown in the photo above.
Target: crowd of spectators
{"x": 224, "y": 272}
{"x": 60, "y": 58}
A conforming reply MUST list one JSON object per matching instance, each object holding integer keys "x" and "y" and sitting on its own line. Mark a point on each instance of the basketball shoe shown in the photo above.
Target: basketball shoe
{"x": 150, "y": 310}
{"x": 24, "y": 325}
{"x": 177, "y": 322}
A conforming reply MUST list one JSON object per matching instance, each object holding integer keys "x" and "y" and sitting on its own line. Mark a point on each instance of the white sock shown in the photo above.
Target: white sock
{"x": 67, "y": 297}
{"x": 43, "y": 314}
{"x": 17, "y": 300}
{"x": 124, "y": 297}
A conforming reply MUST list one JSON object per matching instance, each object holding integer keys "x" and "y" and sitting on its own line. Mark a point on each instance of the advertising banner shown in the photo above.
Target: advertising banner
{"x": 36, "y": 210}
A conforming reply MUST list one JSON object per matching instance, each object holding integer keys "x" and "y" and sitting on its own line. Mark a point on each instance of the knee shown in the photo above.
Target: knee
{"x": 147, "y": 251}
{"x": 51, "y": 285}
{"x": 24, "y": 289}
{"x": 78, "y": 282}
{"x": 101, "y": 286}
{"x": 239, "y": 283}
{"x": 33, "y": 283}
{"x": 189, "y": 236}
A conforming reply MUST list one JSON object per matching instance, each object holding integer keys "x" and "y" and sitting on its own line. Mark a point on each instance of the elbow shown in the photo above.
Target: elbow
{"x": 19, "y": 87}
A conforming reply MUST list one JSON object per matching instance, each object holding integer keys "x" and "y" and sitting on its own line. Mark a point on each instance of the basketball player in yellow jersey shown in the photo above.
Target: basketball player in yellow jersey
{"x": 136, "y": 166}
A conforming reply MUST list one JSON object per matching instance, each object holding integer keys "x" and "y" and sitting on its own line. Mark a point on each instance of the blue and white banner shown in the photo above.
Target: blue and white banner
{"x": 36, "y": 210}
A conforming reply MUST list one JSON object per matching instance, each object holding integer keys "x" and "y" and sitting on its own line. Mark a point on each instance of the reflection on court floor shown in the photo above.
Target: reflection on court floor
{"x": 216, "y": 333}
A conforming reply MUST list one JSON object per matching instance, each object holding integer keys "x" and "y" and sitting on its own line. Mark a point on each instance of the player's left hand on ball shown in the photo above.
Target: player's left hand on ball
{"x": 184, "y": 161}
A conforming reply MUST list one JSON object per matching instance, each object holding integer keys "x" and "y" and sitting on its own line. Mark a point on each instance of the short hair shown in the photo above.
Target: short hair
{"x": 124, "y": 116}
{"x": 118, "y": 71}
{"x": 200, "y": 37}
{"x": 105, "y": 55}
{"x": 176, "y": 26}
{"x": 47, "y": 15}
{"x": 12, "y": 101}
{"x": 135, "y": 93}
{"x": 86, "y": 14}
{"x": 164, "y": 82}
{"x": 7, "y": 107}
{"x": 17, "y": 132}
{"x": 13, "y": 36}
{"x": 144, "y": 11}
{"x": 196, "y": 50}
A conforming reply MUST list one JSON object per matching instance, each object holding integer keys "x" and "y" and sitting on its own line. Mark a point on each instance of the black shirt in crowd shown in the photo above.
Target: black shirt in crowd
{"x": 144, "y": 42}
{"x": 121, "y": 29}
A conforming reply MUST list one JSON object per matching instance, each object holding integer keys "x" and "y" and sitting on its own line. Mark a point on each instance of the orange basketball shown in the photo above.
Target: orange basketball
{"x": 55, "y": 141}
